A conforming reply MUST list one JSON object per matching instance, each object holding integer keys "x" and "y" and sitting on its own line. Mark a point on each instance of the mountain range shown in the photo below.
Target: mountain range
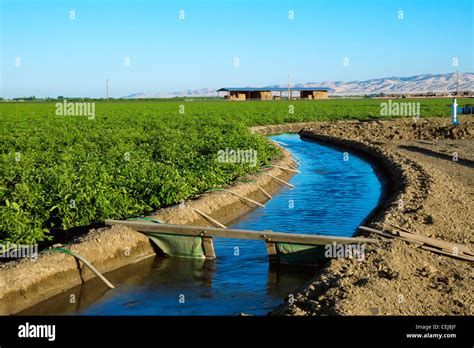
{"x": 412, "y": 84}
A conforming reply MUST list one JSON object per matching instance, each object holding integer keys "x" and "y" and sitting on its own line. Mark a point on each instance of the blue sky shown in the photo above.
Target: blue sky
{"x": 60, "y": 56}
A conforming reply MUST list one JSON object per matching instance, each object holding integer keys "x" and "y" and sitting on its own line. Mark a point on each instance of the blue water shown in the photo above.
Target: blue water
{"x": 332, "y": 197}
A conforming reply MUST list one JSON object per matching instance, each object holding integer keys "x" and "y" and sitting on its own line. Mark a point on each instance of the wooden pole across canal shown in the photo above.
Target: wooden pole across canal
{"x": 196, "y": 241}
{"x": 269, "y": 236}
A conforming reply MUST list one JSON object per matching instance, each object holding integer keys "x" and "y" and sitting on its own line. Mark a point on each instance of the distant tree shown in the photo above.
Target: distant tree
{"x": 25, "y": 98}
{"x": 60, "y": 97}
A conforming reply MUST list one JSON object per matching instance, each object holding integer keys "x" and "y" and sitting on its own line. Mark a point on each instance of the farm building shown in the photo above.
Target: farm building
{"x": 269, "y": 93}
{"x": 247, "y": 93}
{"x": 313, "y": 94}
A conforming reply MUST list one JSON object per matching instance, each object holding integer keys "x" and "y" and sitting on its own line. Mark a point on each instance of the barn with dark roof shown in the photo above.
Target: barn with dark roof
{"x": 269, "y": 93}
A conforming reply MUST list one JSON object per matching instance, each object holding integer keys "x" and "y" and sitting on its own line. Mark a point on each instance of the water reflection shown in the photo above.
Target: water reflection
{"x": 154, "y": 286}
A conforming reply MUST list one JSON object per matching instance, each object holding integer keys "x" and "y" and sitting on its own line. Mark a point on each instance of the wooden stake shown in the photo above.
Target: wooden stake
{"x": 208, "y": 247}
{"x": 271, "y": 249}
{"x": 215, "y": 222}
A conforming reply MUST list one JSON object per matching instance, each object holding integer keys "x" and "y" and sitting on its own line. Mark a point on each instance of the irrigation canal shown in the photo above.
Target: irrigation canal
{"x": 332, "y": 196}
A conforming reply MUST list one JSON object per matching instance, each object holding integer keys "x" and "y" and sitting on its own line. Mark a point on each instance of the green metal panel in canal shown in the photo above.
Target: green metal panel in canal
{"x": 179, "y": 246}
{"x": 299, "y": 254}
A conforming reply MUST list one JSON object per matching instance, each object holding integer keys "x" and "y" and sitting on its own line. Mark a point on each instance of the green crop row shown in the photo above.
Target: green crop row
{"x": 61, "y": 172}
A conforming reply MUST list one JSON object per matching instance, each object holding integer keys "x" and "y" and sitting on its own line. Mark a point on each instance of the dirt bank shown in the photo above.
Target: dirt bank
{"x": 24, "y": 283}
{"x": 430, "y": 168}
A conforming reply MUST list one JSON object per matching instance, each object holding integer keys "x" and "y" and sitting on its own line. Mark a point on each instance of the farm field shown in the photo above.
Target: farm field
{"x": 62, "y": 172}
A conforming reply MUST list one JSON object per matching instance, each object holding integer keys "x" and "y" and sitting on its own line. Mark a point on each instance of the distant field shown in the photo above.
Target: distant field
{"x": 60, "y": 172}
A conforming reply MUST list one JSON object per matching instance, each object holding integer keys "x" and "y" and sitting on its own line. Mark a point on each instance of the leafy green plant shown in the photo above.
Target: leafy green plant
{"x": 60, "y": 172}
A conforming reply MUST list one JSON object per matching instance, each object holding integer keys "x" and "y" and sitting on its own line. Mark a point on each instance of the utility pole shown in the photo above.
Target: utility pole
{"x": 289, "y": 90}
{"x": 107, "y": 89}
{"x": 457, "y": 83}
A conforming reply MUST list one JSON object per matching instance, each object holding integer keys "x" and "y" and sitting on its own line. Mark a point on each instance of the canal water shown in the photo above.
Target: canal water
{"x": 333, "y": 194}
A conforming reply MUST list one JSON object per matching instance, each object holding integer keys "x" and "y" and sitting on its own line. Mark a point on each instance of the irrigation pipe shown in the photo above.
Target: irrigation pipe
{"x": 269, "y": 196}
{"x": 151, "y": 219}
{"x": 214, "y": 221}
{"x": 279, "y": 142}
{"x": 282, "y": 181}
{"x": 251, "y": 182}
{"x": 295, "y": 158}
{"x": 87, "y": 263}
{"x": 283, "y": 168}
{"x": 291, "y": 166}
{"x": 238, "y": 195}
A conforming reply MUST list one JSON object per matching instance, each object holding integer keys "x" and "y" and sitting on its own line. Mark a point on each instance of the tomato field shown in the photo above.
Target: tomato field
{"x": 133, "y": 157}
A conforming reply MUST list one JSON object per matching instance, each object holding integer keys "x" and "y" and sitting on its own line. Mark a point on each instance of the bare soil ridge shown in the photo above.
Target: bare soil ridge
{"x": 429, "y": 193}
